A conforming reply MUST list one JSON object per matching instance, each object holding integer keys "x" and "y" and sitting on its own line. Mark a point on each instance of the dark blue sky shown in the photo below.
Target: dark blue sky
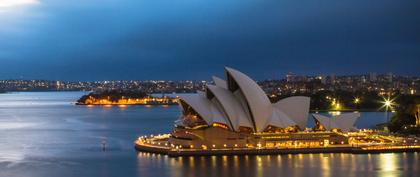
{"x": 186, "y": 39}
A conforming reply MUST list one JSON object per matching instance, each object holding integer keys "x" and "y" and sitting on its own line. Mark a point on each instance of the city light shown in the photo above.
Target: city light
{"x": 356, "y": 100}
{"x": 337, "y": 106}
{"x": 388, "y": 103}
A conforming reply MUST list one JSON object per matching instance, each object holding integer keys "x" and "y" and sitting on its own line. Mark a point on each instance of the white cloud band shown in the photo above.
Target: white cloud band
{"x": 15, "y": 3}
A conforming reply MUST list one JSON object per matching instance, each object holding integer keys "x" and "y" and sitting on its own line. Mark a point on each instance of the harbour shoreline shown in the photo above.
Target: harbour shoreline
{"x": 175, "y": 104}
{"x": 173, "y": 152}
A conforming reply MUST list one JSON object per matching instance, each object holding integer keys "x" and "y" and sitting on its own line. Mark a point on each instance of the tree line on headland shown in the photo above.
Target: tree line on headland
{"x": 340, "y": 100}
{"x": 113, "y": 95}
{"x": 406, "y": 119}
{"x": 124, "y": 97}
{"x": 406, "y": 108}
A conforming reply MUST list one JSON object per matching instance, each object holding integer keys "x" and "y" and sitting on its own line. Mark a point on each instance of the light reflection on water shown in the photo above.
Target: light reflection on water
{"x": 313, "y": 165}
{"x": 42, "y": 134}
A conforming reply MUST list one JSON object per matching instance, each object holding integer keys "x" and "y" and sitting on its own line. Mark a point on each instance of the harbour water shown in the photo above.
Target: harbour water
{"x": 44, "y": 134}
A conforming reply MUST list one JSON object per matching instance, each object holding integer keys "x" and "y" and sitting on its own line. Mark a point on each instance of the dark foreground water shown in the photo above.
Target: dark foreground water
{"x": 43, "y": 135}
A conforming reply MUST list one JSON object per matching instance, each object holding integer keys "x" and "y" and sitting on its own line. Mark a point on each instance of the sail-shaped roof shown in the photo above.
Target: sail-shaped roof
{"x": 296, "y": 108}
{"x": 280, "y": 119}
{"x": 256, "y": 100}
{"x": 240, "y": 102}
{"x": 231, "y": 106}
{"x": 344, "y": 122}
{"x": 347, "y": 121}
{"x": 219, "y": 82}
{"x": 205, "y": 108}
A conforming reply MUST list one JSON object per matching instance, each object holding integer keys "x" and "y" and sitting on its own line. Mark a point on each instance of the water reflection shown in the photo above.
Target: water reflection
{"x": 388, "y": 162}
{"x": 388, "y": 165}
{"x": 325, "y": 166}
{"x": 42, "y": 134}
{"x": 301, "y": 165}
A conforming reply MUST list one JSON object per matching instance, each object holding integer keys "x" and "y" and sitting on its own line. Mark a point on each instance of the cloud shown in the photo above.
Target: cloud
{"x": 16, "y": 3}
{"x": 132, "y": 39}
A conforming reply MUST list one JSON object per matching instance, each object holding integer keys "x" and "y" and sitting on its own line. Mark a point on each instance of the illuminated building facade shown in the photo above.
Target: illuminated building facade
{"x": 236, "y": 112}
{"x": 235, "y": 116}
{"x": 240, "y": 105}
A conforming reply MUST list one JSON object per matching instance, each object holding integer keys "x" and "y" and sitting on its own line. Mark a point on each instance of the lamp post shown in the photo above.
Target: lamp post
{"x": 356, "y": 102}
{"x": 388, "y": 103}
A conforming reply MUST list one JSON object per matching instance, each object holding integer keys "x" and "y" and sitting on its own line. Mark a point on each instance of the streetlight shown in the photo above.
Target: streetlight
{"x": 356, "y": 102}
{"x": 388, "y": 104}
{"x": 335, "y": 104}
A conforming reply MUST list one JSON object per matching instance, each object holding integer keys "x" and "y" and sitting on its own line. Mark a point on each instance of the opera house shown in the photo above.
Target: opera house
{"x": 235, "y": 115}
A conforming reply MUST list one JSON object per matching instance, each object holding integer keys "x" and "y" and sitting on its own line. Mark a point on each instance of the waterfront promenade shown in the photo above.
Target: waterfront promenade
{"x": 158, "y": 144}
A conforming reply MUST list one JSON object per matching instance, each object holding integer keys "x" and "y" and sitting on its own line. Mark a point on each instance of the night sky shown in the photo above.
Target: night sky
{"x": 194, "y": 39}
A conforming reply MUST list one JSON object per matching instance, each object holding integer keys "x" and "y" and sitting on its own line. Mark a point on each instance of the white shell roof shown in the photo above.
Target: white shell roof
{"x": 344, "y": 122}
{"x": 205, "y": 108}
{"x": 347, "y": 121}
{"x": 327, "y": 122}
{"x": 296, "y": 108}
{"x": 220, "y": 82}
{"x": 259, "y": 104}
{"x": 280, "y": 119}
{"x": 232, "y": 107}
{"x": 248, "y": 105}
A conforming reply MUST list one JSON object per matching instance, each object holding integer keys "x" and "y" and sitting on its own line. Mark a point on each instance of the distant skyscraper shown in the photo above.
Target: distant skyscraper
{"x": 332, "y": 78}
{"x": 290, "y": 77}
{"x": 372, "y": 77}
{"x": 363, "y": 79}
{"x": 390, "y": 76}
{"x": 323, "y": 79}
{"x": 58, "y": 84}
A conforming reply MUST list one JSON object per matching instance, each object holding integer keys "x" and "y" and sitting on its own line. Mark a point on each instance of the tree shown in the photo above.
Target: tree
{"x": 416, "y": 113}
{"x": 407, "y": 114}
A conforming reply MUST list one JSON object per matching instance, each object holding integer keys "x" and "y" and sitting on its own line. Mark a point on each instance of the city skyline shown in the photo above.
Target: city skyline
{"x": 382, "y": 84}
{"x": 131, "y": 40}
{"x": 370, "y": 76}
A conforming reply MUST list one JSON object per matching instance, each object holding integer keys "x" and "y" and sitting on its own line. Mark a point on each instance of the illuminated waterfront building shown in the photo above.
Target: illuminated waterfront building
{"x": 236, "y": 112}
{"x": 240, "y": 105}
{"x": 235, "y": 116}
